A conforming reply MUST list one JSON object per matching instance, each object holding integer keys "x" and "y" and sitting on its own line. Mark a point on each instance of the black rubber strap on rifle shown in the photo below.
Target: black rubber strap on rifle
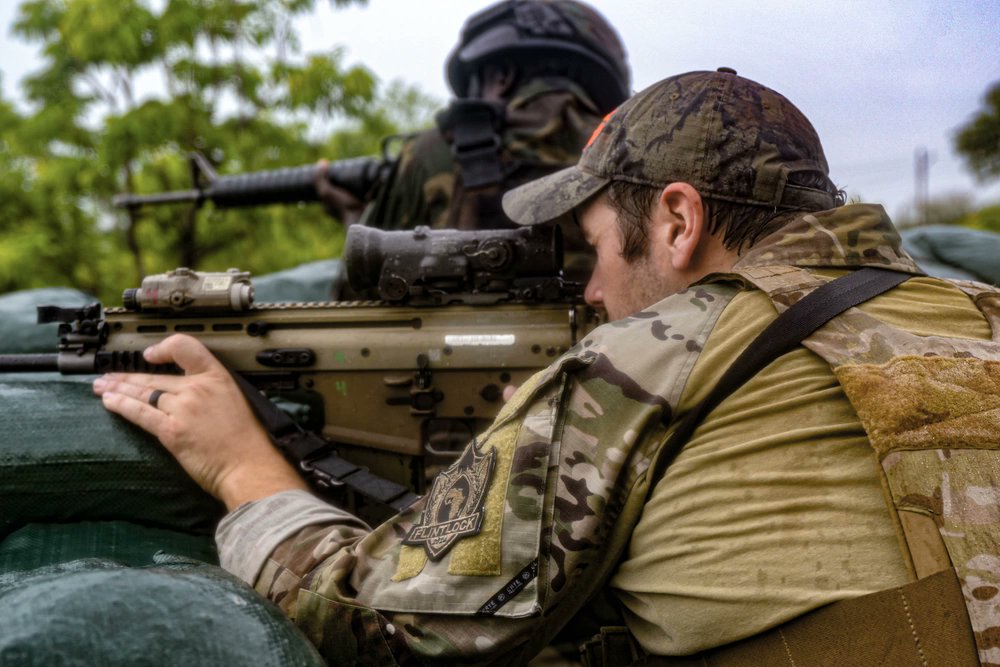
{"x": 315, "y": 456}
{"x": 783, "y": 334}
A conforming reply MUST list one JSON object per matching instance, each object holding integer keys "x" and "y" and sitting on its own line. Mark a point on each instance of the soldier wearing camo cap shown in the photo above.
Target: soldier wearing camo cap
{"x": 532, "y": 79}
{"x": 840, "y": 507}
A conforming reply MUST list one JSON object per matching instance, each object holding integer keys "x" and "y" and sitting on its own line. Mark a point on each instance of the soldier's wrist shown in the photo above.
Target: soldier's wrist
{"x": 249, "y": 483}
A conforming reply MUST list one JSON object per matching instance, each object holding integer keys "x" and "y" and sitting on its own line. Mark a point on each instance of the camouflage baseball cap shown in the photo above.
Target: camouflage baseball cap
{"x": 729, "y": 137}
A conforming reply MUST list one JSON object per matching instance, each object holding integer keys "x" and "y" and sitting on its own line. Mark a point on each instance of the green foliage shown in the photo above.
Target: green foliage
{"x": 403, "y": 110}
{"x": 987, "y": 219}
{"x": 233, "y": 84}
{"x": 979, "y": 140}
{"x": 323, "y": 85}
{"x": 120, "y": 33}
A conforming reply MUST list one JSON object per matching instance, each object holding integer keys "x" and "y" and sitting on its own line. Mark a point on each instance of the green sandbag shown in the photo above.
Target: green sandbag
{"x": 64, "y": 458}
{"x": 41, "y": 544}
{"x": 175, "y": 614}
{"x": 20, "y": 332}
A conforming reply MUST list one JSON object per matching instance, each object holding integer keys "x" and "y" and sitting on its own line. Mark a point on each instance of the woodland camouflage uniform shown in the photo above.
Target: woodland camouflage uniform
{"x": 548, "y": 123}
{"x": 862, "y": 463}
{"x": 569, "y": 68}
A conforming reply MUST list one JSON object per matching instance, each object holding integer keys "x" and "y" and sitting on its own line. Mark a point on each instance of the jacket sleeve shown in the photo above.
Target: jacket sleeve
{"x": 563, "y": 471}
{"x": 365, "y": 596}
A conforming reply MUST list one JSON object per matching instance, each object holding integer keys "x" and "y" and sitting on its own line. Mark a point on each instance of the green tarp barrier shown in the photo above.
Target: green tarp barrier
{"x": 77, "y": 482}
{"x": 174, "y": 614}
{"x": 38, "y": 545}
{"x": 64, "y": 458}
{"x": 20, "y": 332}
{"x": 955, "y": 252}
{"x": 307, "y": 282}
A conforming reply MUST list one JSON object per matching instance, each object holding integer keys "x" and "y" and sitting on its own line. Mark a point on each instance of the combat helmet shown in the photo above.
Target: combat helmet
{"x": 528, "y": 30}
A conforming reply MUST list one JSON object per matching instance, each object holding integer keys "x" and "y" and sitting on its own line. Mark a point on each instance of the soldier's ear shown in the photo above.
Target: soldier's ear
{"x": 682, "y": 216}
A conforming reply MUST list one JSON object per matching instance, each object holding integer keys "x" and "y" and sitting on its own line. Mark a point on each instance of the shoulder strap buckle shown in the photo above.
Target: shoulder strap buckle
{"x": 472, "y": 127}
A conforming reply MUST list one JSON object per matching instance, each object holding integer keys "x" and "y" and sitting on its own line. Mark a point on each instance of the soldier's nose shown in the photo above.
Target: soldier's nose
{"x": 594, "y": 295}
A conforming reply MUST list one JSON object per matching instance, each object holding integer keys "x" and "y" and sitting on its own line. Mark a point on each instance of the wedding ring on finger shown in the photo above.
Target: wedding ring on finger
{"x": 154, "y": 397}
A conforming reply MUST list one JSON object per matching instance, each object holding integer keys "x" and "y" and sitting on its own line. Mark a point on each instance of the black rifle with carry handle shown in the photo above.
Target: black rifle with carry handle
{"x": 386, "y": 391}
{"x": 360, "y": 176}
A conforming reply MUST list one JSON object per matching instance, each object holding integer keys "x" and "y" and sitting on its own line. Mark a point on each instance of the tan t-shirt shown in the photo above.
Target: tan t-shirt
{"x": 775, "y": 506}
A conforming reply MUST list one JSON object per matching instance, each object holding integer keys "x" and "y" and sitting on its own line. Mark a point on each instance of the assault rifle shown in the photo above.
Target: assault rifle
{"x": 395, "y": 387}
{"x": 360, "y": 176}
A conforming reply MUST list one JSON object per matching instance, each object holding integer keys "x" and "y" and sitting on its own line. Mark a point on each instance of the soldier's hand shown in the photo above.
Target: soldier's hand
{"x": 202, "y": 419}
{"x": 337, "y": 201}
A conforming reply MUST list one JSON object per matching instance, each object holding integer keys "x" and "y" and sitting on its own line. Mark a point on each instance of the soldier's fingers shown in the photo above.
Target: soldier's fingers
{"x": 187, "y": 352}
{"x": 140, "y": 413}
{"x": 133, "y": 384}
{"x": 152, "y": 395}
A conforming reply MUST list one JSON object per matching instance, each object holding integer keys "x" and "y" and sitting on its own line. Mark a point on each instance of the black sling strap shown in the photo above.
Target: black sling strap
{"x": 783, "y": 334}
{"x": 473, "y": 128}
{"x": 316, "y": 458}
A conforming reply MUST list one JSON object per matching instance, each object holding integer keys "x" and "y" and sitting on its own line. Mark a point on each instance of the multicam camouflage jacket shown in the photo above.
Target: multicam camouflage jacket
{"x": 516, "y": 538}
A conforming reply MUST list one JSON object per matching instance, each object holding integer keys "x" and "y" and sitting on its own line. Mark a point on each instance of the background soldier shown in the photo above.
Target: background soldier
{"x": 533, "y": 79}
{"x": 846, "y": 490}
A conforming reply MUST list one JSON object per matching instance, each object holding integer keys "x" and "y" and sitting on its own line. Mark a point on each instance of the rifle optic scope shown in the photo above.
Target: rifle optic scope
{"x": 406, "y": 263}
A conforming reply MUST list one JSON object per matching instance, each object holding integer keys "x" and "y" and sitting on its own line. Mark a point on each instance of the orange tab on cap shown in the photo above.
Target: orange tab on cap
{"x": 600, "y": 127}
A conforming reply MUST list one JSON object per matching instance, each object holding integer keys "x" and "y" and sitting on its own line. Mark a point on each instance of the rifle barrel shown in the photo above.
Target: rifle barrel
{"x": 28, "y": 363}
{"x": 173, "y": 197}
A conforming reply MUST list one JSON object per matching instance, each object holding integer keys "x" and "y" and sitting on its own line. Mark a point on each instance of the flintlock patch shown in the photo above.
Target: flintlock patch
{"x": 454, "y": 508}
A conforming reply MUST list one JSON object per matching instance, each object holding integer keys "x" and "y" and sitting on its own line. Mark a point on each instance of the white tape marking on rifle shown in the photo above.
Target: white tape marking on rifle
{"x": 216, "y": 283}
{"x": 465, "y": 340}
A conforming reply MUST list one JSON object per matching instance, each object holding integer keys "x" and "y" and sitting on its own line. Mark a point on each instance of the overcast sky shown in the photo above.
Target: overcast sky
{"x": 878, "y": 79}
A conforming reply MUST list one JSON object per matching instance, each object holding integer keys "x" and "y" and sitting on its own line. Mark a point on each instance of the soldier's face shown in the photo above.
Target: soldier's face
{"x": 620, "y": 287}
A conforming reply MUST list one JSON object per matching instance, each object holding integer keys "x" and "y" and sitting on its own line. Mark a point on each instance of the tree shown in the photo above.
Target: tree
{"x": 232, "y": 83}
{"x": 979, "y": 140}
